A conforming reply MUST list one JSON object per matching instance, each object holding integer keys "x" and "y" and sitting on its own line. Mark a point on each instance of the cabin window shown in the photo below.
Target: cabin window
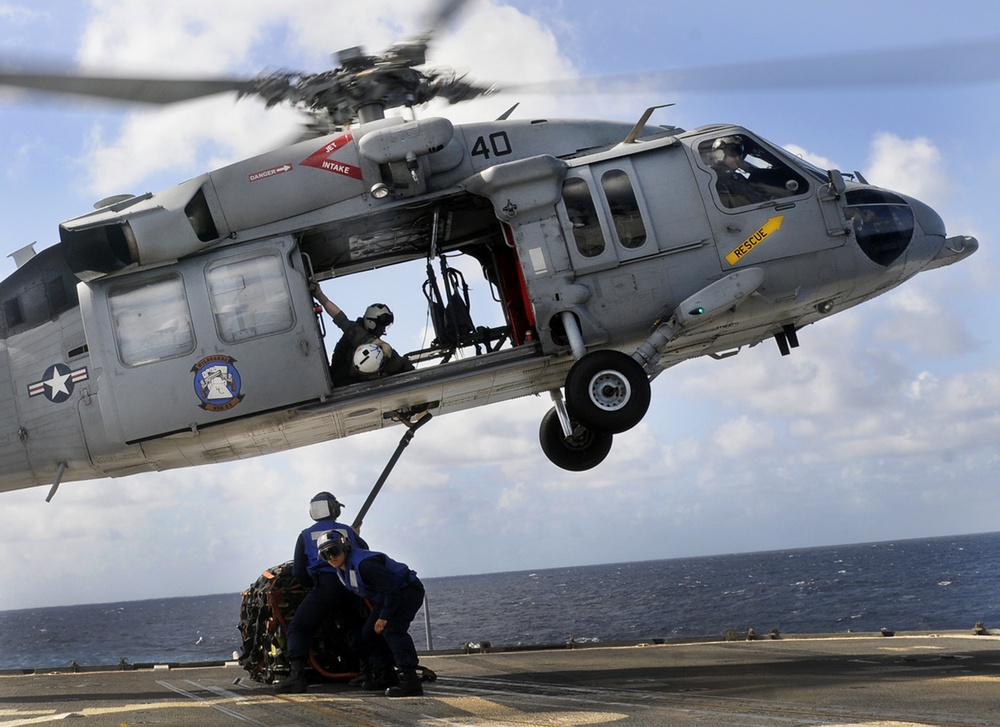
{"x": 583, "y": 216}
{"x": 151, "y": 320}
{"x": 624, "y": 209}
{"x": 250, "y": 297}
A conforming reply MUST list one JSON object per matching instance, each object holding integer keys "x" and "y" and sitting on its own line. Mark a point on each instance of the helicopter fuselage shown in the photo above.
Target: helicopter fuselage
{"x": 177, "y": 328}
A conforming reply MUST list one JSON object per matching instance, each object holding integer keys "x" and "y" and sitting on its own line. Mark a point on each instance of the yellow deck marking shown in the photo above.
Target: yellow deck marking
{"x": 492, "y": 714}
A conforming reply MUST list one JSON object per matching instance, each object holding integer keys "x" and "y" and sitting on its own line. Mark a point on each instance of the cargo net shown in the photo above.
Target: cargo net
{"x": 267, "y": 609}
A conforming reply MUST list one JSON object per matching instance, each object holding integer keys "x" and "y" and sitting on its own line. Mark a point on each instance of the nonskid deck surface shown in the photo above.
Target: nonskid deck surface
{"x": 908, "y": 679}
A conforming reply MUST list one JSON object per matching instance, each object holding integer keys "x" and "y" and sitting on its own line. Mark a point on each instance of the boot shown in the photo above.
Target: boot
{"x": 364, "y": 675}
{"x": 382, "y": 677}
{"x": 295, "y": 682}
{"x": 409, "y": 685}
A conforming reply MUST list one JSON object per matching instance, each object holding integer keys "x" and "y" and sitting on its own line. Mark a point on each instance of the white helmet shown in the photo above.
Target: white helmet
{"x": 368, "y": 358}
{"x": 377, "y": 316}
{"x": 731, "y": 145}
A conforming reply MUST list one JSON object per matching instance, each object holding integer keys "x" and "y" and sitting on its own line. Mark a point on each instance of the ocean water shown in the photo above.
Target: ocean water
{"x": 913, "y": 585}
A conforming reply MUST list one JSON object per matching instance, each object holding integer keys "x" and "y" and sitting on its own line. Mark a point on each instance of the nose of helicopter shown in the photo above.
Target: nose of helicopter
{"x": 927, "y": 219}
{"x": 893, "y": 229}
{"x": 940, "y": 250}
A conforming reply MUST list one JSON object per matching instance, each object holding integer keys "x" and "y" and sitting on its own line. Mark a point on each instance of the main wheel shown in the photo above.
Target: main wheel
{"x": 607, "y": 391}
{"x": 583, "y": 450}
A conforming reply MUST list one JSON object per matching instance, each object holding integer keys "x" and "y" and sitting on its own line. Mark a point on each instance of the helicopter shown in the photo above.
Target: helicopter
{"x": 177, "y": 328}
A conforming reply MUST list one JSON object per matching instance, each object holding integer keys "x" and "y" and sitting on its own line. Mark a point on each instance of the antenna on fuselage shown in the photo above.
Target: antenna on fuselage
{"x": 24, "y": 254}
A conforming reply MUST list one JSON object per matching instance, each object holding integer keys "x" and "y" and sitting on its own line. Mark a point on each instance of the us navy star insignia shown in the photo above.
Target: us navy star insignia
{"x": 58, "y": 382}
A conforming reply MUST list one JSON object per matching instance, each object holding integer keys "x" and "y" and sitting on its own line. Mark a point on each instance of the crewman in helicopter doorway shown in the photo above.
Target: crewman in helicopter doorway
{"x": 361, "y": 354}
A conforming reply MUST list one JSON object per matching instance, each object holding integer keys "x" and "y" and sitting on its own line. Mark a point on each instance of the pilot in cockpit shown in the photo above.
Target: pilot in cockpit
{"x": 732, "y": 180}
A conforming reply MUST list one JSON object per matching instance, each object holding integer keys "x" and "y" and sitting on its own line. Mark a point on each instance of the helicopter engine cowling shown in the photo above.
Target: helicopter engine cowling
{"x": 206, "y": 211}
{"x": 146, "y": 229}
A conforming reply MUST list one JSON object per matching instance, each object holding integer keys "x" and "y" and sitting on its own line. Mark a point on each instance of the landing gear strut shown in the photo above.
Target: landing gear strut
{"x": 607, "y": 392}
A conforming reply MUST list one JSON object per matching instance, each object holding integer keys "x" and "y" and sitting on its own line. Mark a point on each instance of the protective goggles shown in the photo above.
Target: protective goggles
{"x": 332, "y": 551}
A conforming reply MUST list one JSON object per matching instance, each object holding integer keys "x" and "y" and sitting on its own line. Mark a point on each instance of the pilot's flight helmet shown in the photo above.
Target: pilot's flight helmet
{"x": 731, "y": 144}
{"x": 377, "y": 316}
{"x": 333, "y": 543}
{"x": 324, "y": 506}
{"x": 368, "y": 358}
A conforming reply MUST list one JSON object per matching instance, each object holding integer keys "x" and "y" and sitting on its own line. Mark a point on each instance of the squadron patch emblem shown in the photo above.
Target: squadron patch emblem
{"x": 217, "y": 383}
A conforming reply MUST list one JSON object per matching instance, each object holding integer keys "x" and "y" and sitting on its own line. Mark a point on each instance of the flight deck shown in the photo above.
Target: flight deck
{"x": 854, "y": 679}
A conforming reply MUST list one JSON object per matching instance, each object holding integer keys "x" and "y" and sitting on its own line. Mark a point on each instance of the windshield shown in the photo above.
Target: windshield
{"x": 798, "y": 161}
{"x": 808, "y": 166}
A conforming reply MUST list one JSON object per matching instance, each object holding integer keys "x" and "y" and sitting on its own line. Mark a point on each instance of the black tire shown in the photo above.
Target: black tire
{"x": 607, "y": 391}
{"x": 584, "y": 450}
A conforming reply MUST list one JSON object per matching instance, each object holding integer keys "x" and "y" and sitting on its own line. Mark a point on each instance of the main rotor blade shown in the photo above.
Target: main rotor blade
{"x": 934, "y": 65}
{"x": 412, "y": 51}
{"x": 446, "y": 11}
{"x": 142, "y": 90}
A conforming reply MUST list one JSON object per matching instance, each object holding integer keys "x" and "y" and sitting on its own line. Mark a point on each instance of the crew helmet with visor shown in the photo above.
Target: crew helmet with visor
{"x": 332, "y": 544}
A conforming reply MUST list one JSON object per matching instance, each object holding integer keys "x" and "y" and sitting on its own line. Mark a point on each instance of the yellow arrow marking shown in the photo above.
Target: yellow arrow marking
{"x": 772, "y": 225}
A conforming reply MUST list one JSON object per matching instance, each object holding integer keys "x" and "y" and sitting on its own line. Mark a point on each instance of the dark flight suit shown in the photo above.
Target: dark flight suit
{"x": 396, "y": 595}
{"x": 342, "y": 369}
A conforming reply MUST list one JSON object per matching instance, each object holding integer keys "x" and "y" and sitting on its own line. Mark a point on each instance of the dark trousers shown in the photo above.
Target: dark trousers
{"x": 394, "y": 645}
{"x": 328, "y": 595}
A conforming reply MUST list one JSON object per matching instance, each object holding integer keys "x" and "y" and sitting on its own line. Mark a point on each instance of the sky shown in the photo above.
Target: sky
{"x": 883, "y": 425}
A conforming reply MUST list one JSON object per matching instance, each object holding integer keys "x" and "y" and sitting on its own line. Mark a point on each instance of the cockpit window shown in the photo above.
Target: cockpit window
{"x": 820, "y": 174}
{"x": 747, "y": 173}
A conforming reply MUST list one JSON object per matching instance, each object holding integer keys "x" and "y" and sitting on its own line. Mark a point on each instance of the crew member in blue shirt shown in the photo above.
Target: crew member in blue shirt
{"x": 396, "y": 595}
{"x": 326, "y": 592}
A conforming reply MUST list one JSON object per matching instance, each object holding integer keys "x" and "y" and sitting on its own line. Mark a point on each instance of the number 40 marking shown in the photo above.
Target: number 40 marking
{"x": 497, "y": 143}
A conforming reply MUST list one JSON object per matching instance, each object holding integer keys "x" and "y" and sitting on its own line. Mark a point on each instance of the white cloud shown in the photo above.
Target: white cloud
{"x": 513, "y": 498}
{"x": 912, "y": 166}
{"x": 924, "y": 384}
{"x": 185, "y": 36}
{"x": 742, "y": 436}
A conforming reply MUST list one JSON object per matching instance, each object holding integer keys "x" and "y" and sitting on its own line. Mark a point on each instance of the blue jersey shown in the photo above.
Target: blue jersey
{"x": 393, "y": 576}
